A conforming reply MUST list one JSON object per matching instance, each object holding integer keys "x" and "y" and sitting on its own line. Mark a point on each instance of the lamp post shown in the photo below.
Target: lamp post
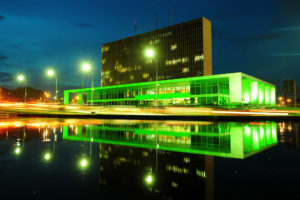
{"x": 51, "y": 73}
{"x": 86, "y": 68}
{"x": 150, "y": 54}
{"x": 22, "y": 78}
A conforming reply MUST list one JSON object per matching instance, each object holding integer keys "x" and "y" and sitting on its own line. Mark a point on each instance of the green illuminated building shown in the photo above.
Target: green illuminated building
{"x": 223, "y": 89}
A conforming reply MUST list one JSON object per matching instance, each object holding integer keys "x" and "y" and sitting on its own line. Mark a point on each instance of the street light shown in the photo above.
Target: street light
{"x": 50, "y": 73}
{"x": 21, "y": 78}
{"x": 151, "y": 54}
{"x": 86, "y": 67}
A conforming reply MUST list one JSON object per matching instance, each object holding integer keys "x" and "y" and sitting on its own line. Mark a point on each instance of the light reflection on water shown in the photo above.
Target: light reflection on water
{"x": 127, "y": 159}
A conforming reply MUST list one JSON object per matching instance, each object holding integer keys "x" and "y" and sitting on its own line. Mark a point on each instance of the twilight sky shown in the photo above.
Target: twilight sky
{"x": 259, "y": 38}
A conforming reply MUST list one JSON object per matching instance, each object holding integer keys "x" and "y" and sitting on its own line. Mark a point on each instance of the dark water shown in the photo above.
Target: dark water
{"x": 123, "y": 159}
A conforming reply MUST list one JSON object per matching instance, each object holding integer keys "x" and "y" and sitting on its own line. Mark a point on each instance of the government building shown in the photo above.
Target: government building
{"x": 170, "y": 66}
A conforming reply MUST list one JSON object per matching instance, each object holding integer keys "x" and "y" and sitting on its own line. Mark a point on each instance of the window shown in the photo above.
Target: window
{"x": 173, "y": 47}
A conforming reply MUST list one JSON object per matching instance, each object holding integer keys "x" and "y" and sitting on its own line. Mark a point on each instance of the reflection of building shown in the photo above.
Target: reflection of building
{"x": 182, "y": 50}
{"x": 288, "y": 134}
{"x": 126, "y": 168}
{"x": 289, "y": 87}
{"x": 225, "y": 89}
{"x": 224, "y": 139}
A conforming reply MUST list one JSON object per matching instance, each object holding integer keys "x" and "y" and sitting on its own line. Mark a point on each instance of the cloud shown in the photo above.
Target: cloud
{"x": 2, "y": 17}
{"x": 3, "y": 57}
{"x": 270, "y": 36}
{"x": 5, "y": 77}
{"x": 230, "y": 36}
{"x": 226, "y": 16}
{"x": 284, "y": 54}
{"x": 83, "y": 25}
{"x": 288, "y": 12}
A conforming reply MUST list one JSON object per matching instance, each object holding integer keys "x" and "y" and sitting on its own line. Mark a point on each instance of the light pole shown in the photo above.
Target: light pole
{"x": 86, "y": 68}
{"x": 22, "y": 78}
{"x": 150, "y": 54}
{"x": 51, "y": 72}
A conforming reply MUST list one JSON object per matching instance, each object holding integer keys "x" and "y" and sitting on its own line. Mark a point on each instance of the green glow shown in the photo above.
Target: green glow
{"x": 246, "y": 90}
{"x": 262, "y": 136}
{"x": 66, "y": 97}
{"x": 241, "y": 141}
{"x": 261, "y": 93}
{"x": 255, "y": 135}
{"x": 254, "y": 91}
{"x": 242, "y": 89}
{"x": 267, "y": 95}
{"x": 80, "y": 99}
{"x": 274, "y": 134}
{"x": 268, "y": 134}
{"x": 273, "y": 96}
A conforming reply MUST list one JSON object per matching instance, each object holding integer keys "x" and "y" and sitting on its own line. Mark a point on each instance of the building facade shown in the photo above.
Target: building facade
{"x": 223, "y": 89}
{"x": 178, "y": 51}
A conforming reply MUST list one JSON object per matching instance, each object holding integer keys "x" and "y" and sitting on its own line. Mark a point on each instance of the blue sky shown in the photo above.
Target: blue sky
{"x": 260, "y": 38}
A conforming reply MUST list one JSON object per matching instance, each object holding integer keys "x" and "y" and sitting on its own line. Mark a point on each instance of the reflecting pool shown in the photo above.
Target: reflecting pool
{"x": 135, "y": 159}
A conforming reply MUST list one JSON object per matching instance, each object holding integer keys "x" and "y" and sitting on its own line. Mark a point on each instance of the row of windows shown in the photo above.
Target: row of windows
{"x": 209, "y": 88}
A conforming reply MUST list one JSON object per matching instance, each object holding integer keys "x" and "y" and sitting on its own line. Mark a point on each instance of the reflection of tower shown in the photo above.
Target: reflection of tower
{"x": 289, "y": 87}
{"x": 120, "y": 165}
{"x": 288, "y": 134}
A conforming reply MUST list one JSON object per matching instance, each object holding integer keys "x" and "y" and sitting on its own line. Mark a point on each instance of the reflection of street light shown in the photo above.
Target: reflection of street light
{"x": 86, "y": 68}
{"x": 150, "y": 54}
{"x": 47, "y": 95}
{"x": 280, "y": 100}
{"x": 83, "y": 163}
{"x": 149, "y": 179}
{"x": 18, "y": 150}
{"x": 51, "y": 72}
{"x": 47, "y": 156}
{"x": 22, "y": 78}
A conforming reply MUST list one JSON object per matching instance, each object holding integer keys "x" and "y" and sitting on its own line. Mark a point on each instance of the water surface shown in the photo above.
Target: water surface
{"x": 135, "y": 159}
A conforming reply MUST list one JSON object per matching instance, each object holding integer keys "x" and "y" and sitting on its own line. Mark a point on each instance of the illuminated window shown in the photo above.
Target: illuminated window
{"x": 185, "y": 70}
{"x": 199, "y": 57}
{"x": 105, "y": 49}
{"x": 145, "y": 75}
{"x": 174, "y": 184}
{"x": 173, "y": 47}
{"x": 201, "y": 173}
{"x": 184, "y": 60}
{"x": 168, "y": 62}
{"x": 186, "y": 160}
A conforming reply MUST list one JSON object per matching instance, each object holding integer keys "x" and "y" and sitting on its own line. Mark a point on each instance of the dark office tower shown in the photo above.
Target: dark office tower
{"x": 178, "y": 51}
{"x": 290, "y": 91}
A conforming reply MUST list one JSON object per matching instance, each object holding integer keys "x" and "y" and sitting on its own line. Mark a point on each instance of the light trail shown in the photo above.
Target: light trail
{"x": 249, "y": 113}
